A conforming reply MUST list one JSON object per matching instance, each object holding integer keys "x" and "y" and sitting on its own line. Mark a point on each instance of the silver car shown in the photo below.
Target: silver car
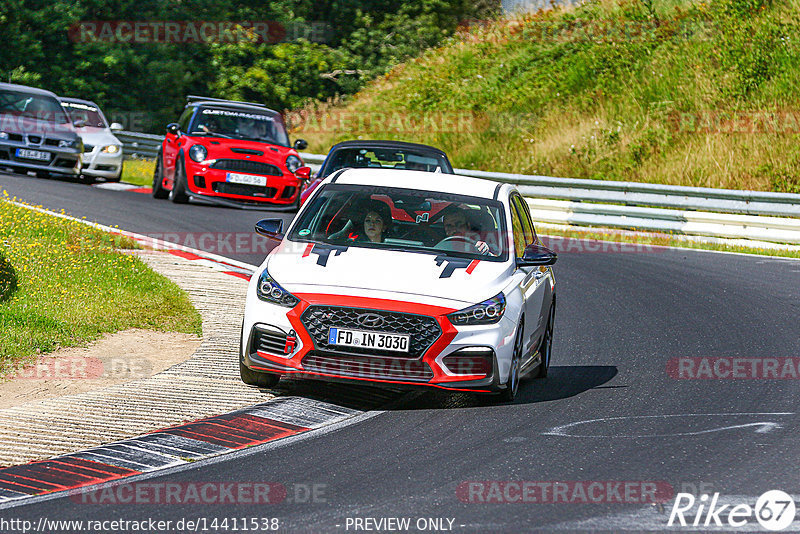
{"x": 102, "y": 151}
{"x": 36, "y": 134}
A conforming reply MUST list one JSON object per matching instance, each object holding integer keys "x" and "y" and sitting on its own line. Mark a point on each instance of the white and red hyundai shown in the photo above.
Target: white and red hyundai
{"x": 403, "y": 277}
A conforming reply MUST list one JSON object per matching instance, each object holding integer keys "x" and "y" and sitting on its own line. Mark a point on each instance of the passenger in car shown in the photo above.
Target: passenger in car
{"x": 376, "y": 222}
{"x": 455, "y": 225}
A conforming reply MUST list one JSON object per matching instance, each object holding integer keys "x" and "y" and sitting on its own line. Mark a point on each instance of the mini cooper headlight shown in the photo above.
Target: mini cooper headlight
{"x": 198, "y": 153}
{"x": 270, "y": 291}
{"x": 487, "y": 312}
{"x": 111, "y": 149}
{"x": 3, "y": 135}
{"x": 293, "y": 163}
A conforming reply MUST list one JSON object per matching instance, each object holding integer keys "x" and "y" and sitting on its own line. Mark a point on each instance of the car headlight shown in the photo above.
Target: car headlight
{"x": 198, "y": 153}
{"x": 293, "y": 163}
{"x": 111, "y": 149}
{"x": 3, "y": 135}
{"x": 270, "y": 291}
{"x": 487, "y": 312}
{"x": 69, "y": 143}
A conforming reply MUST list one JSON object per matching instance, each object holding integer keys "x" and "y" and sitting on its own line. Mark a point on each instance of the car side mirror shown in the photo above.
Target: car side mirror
{"x": 80, "y": 123}
{"x": 536, "y": 255}
{"x": 300, "y": 144}
{"x": 174, "y": 129}
{"x": 270, "y": 228}
{"x": 115, "y": 127}
{"x": 304, "y": 173}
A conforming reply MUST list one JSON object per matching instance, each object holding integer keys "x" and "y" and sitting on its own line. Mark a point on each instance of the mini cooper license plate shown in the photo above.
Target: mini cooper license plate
{"x": 27, "y": 153}
{"x": 368, "y": 340}
{"x": 247, "y": 179}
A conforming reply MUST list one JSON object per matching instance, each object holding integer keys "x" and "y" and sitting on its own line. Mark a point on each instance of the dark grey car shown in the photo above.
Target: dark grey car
{"x": 36, "y": 134}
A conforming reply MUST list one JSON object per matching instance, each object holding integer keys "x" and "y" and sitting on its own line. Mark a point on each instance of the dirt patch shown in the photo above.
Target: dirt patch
{"x": 114, "y": 359}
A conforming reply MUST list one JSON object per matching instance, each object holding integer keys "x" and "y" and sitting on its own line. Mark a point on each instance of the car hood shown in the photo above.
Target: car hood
{"x": 98, "y": 136}
{"x": 220, "y": 148}
{"x": 416, "y": 277}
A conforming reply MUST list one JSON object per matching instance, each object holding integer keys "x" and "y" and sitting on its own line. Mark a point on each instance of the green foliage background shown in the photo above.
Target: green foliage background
{"x": 366, "y": 36}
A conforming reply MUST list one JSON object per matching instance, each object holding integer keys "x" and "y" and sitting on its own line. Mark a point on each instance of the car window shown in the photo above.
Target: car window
{"x": 410, "y": 221}
{"x": 263, "y": 127}
{"x": 183, "y": 122}
{"x": 518, "y": 231}
{"x": 416, "y": 159}
{"x": 88, "y": 113}
{"x": 33, "y": 106}
{"x": 525, "y": 220}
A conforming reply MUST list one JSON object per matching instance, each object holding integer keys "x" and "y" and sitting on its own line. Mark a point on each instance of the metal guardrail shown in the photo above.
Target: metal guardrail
{"x": 139, "y": 145}
{"x": 726, "y": 213}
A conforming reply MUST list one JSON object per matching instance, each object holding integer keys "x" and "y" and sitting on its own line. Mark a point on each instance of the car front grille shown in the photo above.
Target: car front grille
{"x": 228, "y": 188}
{"x": 423, "y": 330}
{"x": 270, "y": 341}
{"x": 52, "y": 142}
{"x": 368, "y": 367}
{"x": 241, "y": 165}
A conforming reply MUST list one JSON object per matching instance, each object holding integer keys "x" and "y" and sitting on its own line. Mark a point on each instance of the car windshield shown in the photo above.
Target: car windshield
{"x": 34, "y": 106}
{"x": 88, "y": 113}
{"x": 387, "y": 158}
{"x": 406, "y": 220}
{"x": 250, "y": 125}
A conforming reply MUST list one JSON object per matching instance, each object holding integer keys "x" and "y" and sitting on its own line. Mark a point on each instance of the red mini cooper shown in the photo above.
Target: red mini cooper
{"x": 231, "y": 153}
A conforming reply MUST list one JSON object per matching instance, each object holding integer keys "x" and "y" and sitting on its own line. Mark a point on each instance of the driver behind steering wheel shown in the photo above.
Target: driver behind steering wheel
{"x": 455, "y": 225}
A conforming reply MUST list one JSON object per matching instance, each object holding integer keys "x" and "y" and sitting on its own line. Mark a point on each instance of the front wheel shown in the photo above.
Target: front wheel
{"x": 546, "y": 346}
{"x": 512, "y": 385}
{"x": 178, "y": 193}
{"x": 158, "y": 179}
{"x": 256, "y": 379}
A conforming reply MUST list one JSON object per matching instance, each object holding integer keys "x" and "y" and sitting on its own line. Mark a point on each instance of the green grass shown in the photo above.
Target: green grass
{"x": 613, "y": 89}
{"x": 63, "y": 283}
{"x": 138, "y": 171}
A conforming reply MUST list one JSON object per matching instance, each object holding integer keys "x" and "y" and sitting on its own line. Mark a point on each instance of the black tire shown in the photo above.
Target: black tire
{"x": 158, "y": 180}
{"x": 256, "y": 379}
{"x": 512, "y": 385}
{"x": 178, "y": 193}
{"x": 546, "y": 346}
{"x": 88, "y": 180}
{"x": 42, "y": 174}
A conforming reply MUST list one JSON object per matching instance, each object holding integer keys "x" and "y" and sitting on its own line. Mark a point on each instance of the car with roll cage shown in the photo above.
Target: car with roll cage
{"x": 358, "y": 153}
{"x": 230, "y": 153}
{"x": 36, "y": 134}
{"x": 457, "y": 292}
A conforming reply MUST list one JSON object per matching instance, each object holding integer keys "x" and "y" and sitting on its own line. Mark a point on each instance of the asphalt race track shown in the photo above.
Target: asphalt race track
{"x": 621, "y": 318}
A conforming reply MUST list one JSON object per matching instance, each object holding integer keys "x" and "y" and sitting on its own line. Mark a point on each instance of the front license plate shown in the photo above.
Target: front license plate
{"x": 368, "y": 340}
{"x": 247, "y": 179}
{"x": 26, "y": 153}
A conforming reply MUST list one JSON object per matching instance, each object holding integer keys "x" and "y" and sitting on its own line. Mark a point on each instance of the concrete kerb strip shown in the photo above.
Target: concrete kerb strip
{"x": 141, "y": 426}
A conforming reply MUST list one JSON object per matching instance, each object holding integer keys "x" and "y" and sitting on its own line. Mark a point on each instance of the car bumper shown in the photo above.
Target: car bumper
{"x": 303, "y": 358}
{"x": 212, "y": 185}
{"x": 62, "y": 160}
{"x": 101, "y": 164}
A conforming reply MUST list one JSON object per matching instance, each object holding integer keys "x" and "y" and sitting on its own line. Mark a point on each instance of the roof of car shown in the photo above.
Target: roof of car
{"x": 377, "y": 143}
{"x": 445, "y": 183}
{"x": 27, "y": 89}
{"x": 227, "y": 104}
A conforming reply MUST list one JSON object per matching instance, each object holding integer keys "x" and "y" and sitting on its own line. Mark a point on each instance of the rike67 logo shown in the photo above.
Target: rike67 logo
{"x": 774, "y": 510}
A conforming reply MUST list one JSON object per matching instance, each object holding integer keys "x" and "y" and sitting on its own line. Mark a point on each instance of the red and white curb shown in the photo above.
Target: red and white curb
{"x": 122, "y": 186}
{"x": 179, "y": 445}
